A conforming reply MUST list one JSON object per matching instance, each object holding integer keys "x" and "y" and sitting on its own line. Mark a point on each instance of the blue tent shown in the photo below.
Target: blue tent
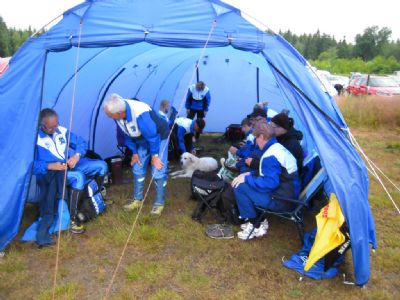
{"x": 149, "y": 49}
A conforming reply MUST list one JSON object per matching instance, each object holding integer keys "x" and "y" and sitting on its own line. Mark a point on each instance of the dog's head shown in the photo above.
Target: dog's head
{"x": 187, "y": 159}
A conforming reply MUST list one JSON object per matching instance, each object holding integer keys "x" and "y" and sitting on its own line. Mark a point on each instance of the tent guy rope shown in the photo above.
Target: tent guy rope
{"x": 108, "y": 290}
{"x": 66, "y": 157}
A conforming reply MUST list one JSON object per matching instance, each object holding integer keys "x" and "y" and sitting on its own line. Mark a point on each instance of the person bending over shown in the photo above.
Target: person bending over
{"x": 146, "y": 135}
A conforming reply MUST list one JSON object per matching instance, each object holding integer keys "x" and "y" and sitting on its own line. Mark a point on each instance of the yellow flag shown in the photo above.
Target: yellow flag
{"x": 329, "y": 236}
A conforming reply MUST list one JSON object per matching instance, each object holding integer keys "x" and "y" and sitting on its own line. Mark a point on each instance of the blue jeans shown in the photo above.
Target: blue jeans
{"x": 160, "y": 176}
{"x": 85, "y": 168}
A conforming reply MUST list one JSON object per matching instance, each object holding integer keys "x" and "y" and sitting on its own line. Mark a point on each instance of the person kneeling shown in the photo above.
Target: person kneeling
{"x": 277, "y": 176}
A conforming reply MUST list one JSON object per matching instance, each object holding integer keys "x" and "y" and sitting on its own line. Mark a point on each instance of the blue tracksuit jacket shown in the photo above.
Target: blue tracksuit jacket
{"x": 142, "y": 126}
{"x": 53, "y": 148}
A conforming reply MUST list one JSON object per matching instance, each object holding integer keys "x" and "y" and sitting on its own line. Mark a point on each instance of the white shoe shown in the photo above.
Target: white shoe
{"x": 250, "y": 232}
{"x": 263, "y": 223}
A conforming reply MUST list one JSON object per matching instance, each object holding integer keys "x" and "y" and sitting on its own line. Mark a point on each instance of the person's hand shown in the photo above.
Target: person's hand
{"x": 57, "y": 166}
{"x": 193, "y": 139}
{"x": 233, "y": 150}
{"x": 73, "y": 160}
{"x": 241, "y": 144}
{"x": 135, "y": 159}
{"x": 156, "y": 162}
{"x": 239, "y": 179}
{"x": 248, "y": 161}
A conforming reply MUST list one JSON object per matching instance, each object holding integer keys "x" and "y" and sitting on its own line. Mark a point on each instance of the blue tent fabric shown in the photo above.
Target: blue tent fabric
{"x": 148, "y": 49}
{"x": 30, "y": 233}
{"x": 298, "y": 260}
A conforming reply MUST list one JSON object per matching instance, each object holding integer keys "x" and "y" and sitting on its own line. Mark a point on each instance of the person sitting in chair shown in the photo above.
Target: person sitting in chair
{"x": 52, "y": 154}
{"x": 277, "y": 176}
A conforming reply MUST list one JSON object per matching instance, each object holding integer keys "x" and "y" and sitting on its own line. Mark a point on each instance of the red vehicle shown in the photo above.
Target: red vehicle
{"x": 374, "y": 85}
{"x": 4, "y": 65}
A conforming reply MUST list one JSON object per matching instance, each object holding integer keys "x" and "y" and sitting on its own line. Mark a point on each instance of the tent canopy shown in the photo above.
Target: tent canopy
{"x": 149, "y": 50}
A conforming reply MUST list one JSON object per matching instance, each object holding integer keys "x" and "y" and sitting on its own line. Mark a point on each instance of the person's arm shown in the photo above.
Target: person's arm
{"x": 149, "y": 132}
{"x": 271, "y": 169}
{"x": 39, "y": 167}
{"x": 77, "y": 143}
{"x": 208, "y": 100}
{"x": 187, "y": 103}
{"x": 180, "y": 132}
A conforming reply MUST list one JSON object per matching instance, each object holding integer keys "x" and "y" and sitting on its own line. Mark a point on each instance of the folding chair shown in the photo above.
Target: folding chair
{"x": 296, "y": 213}
{"x": 208, "y": 194}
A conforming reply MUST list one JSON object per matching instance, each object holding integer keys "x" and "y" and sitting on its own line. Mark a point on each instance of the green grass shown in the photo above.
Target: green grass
{"x": 170, "y": 257}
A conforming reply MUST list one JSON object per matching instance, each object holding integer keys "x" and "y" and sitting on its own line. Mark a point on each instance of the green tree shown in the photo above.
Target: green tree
{"x": 4, "y": 39}
{"x": 371, "y": 42}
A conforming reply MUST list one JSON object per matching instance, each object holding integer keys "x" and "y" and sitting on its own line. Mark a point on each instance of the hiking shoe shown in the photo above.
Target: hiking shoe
{"x": 250, "y": 232}
{"x": 157, "y": 210}
{"x": 219, "y": 231}
{"x": 77, "y": 228}
{"x": 135, "y": 204}
{"x": 263, "y": 223}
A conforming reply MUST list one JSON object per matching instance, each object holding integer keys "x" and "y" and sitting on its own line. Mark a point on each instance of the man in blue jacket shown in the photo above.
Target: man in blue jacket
{"x": 52, "y": 156}
{"x": 277, "y": 176}
{"x": 146, "y": 135}
{"x": 198, "y": 100}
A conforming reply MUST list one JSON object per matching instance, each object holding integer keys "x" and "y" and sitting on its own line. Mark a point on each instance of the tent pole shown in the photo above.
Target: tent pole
{"x": 96, "y": 115}
{"x": 258, "y": 85}
{"x": 197, "y": 74}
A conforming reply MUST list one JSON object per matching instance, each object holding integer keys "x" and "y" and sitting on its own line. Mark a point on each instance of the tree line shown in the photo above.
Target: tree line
{"x": 372, "y": 52}
{"x": 11, "y": 38}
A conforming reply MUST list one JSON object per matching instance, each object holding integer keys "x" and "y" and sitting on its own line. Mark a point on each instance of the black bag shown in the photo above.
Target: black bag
{"x": 228, "y": 206}
{"x": 212, "y": 192}
{"x": 234, "y": 133}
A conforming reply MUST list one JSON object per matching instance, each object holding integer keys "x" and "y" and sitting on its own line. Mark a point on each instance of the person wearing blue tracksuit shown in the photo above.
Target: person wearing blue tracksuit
{"x": 52, "y": 156}
{"x": 198, "y": 100}
{"x": 182, "y": 135}
{"x": 146, "y": 135}
{"x": 277, "y": 177}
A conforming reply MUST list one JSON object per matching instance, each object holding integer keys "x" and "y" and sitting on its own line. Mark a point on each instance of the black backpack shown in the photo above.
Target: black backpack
{"x": 213, "y": 193}
{"x": 92, "y": 204}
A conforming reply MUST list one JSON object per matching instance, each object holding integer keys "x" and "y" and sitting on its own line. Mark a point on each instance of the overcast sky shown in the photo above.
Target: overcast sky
{"x": 339, "y": 18}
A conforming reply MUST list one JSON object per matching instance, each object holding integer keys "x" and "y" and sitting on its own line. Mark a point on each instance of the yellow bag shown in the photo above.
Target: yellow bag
{"x": 329, "y": 236}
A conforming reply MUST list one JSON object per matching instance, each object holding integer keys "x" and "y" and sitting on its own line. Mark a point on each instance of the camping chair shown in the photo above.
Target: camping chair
{"x": 208, "y": 194}
{"x": 296, "y": 213}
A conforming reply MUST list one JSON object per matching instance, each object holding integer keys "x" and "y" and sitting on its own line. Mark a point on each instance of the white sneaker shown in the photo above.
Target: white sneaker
{"x": 250, "y": 232}
{"x": 263, "y": 223}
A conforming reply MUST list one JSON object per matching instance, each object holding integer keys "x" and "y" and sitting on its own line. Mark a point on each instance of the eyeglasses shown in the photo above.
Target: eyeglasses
{"x": 49, "y": 129}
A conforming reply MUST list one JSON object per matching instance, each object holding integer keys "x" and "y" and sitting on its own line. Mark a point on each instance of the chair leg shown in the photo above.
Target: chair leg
{"x": 300, "y": 230}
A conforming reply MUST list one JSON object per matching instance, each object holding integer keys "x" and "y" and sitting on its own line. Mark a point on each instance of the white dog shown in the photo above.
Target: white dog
{"x": 190, "y": 163}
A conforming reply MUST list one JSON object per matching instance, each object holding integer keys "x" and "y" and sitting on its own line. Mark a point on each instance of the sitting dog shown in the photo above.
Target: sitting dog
{"x": 190, "y": 163}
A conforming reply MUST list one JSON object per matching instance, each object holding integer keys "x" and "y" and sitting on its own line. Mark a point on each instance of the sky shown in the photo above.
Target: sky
{"x": 339, "y": 18}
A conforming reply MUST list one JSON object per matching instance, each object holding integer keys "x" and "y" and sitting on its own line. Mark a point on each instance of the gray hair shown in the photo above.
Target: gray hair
{"x": 114, "y": 104}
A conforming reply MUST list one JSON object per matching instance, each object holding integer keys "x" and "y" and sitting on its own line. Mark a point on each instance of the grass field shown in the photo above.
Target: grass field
{"x": 171, "y": 258}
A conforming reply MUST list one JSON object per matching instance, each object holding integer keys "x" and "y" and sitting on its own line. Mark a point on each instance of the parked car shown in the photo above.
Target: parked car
{"x": 353, "y": 83}
{"x": 375, "y": 85}
{"x": 4, "y": 64}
